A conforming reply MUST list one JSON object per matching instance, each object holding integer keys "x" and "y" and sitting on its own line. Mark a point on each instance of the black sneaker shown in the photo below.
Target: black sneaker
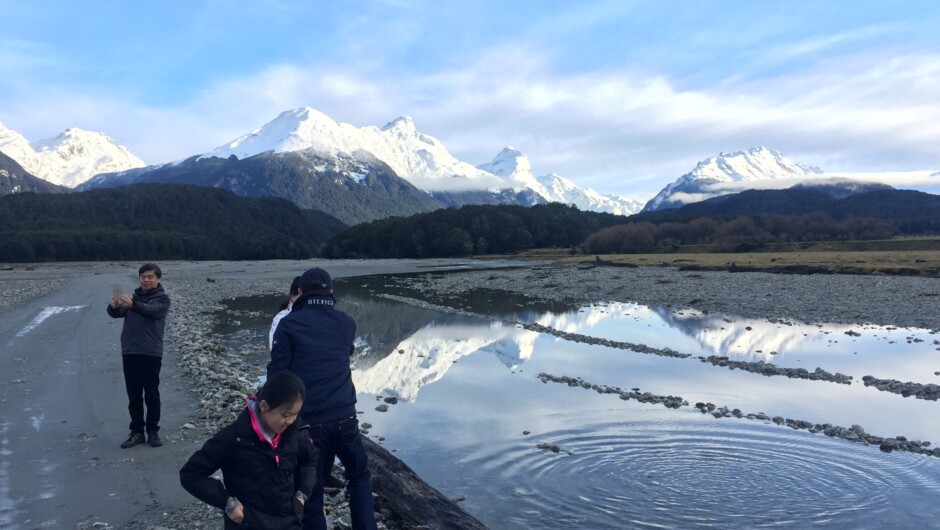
{"x": 154, "y": 439}
{"x": 135, "y": 438}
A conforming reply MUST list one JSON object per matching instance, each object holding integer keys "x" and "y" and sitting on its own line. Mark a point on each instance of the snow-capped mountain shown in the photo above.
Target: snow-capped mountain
{"x": 563, "y": 190}
{"x": 70, "y": 158}
{"x": 422, "y": 160}
{"x": 706, "y": 180}
{"x": 418, "y": 158}
{"x": 352, "y": 189}
{"x": 516, "y": 170}
{"x": 15, "y": 179}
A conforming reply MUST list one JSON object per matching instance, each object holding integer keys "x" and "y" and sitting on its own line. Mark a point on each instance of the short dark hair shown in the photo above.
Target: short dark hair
{"x": 295, "y": 286}
{"x": 150, "y": 267}
{"x": 282, "y": 387}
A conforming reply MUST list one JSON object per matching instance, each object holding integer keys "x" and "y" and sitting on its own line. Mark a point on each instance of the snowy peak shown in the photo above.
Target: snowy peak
{"x": 565, "y": 191}
{"x": 516, "y": 171}
{"x": 509, "y": 163}
{"x": 292, "y": 130}
{"x": 15, "y": 146}
{"x": 759, "y": 163}
{"x": 750, "y": 166}
{"x": 416, "y": 157}
{"x": 403, "y": 125}
{"x": 70, "y": 158}
{"x": 419, "y": 158}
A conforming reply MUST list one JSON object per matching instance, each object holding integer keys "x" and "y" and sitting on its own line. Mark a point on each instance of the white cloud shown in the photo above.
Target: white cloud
{"x": 615, "y": 130}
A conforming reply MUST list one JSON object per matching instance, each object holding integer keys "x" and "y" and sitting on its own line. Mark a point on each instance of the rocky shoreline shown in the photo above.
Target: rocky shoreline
{"x": 902, "y": 301}
{"x": 221, "y": 377}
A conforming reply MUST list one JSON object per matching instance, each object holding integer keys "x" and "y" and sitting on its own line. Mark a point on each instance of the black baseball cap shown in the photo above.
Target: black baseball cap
{"x": 316, "y": 281}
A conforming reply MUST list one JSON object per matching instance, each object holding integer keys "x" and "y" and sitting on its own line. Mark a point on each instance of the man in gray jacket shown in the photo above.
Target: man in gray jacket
{"x": 144, "y": 317}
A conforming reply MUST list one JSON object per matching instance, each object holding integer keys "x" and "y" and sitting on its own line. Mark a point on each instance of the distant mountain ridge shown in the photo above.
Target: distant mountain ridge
{"x": 705, "y": 180}
{"x": 912, "y": 211}
{"x": 309, "y": 158}
{"x": 418, "y": 158}
{"x": 516, "y": 170}
{"x": 352, "y": 189}
{"x": 70, "y": 158}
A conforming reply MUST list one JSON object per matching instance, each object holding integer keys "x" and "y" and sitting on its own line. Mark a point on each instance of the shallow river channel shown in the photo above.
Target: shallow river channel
{"x": 471, "y": 415}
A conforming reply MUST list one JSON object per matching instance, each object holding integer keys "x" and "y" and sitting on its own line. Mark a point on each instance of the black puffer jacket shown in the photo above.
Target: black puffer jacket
{"x": 263, "y": 478}
{"x": 143, "y": 322}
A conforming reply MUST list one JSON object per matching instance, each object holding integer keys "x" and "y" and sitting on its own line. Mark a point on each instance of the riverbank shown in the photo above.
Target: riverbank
{"x": 218, "y": 376}
{"x": 903, "y": 301}
{"x": 64, "y": 382}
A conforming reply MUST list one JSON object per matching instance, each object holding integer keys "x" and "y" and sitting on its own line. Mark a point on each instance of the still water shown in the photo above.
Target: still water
{"x": 471, "y": 413}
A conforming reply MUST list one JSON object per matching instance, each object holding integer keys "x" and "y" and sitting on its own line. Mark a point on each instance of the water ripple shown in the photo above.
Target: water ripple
{"x": 705, "y": 474}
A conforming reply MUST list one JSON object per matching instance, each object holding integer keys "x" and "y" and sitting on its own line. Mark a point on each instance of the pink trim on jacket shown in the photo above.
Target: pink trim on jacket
{"x": 256, "y": 425}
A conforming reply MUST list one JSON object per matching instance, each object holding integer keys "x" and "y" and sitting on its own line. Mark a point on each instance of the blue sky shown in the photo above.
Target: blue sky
{"x": 621, "y": 96}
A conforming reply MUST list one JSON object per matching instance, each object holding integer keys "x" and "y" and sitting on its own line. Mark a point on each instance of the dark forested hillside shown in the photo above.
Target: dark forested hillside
{"x": 157, "y": 221}
{"x": 756, "y": 218}
{"x": 480, "y": 229}
{"x": 911, "y": 211}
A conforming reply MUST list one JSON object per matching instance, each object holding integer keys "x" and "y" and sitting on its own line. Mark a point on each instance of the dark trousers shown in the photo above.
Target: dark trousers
{"x": 142, "y": 380}
{"x": 341, "y": 438}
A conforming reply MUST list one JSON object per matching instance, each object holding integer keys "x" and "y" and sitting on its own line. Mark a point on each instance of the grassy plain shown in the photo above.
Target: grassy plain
{"x": 913, "y": 256}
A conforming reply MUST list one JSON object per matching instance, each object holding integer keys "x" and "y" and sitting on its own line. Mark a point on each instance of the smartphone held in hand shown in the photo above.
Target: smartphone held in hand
{"x": 117, "y": 290}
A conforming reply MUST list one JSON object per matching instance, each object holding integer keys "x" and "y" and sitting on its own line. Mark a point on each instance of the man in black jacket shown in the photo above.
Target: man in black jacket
{"x": 142, "y": 352}
{"x": 315, "y": 341}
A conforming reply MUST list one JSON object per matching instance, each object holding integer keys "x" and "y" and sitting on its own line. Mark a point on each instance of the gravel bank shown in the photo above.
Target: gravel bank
{"x": 13, "y": 292}
{"x": 881, "y": 300}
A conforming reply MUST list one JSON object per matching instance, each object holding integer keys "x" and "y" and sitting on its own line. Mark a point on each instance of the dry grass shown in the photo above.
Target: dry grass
{"x": 923, "y": 259}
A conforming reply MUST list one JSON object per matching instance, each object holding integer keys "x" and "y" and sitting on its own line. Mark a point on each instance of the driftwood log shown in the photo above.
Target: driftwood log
{"x": 599, "y": 262}
{"x": 411, "y": 498}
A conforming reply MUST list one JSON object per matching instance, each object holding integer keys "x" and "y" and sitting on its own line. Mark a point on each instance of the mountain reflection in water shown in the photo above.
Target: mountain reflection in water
{"x": 472, "y": 413}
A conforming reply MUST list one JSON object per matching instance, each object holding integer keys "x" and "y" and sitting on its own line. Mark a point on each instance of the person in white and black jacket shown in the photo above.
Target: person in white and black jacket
{"x": 285, "y": 309}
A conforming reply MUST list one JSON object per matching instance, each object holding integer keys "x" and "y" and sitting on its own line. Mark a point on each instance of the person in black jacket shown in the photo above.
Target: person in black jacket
{"x": 267, "y": 459}
{"x": 315, "y": 341}
{"x": 142, "y": 352}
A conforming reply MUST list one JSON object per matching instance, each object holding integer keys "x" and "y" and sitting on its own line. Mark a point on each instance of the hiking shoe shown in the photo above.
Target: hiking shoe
{"x": 154, "y": 439}
{"x": 135, "y": 438}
